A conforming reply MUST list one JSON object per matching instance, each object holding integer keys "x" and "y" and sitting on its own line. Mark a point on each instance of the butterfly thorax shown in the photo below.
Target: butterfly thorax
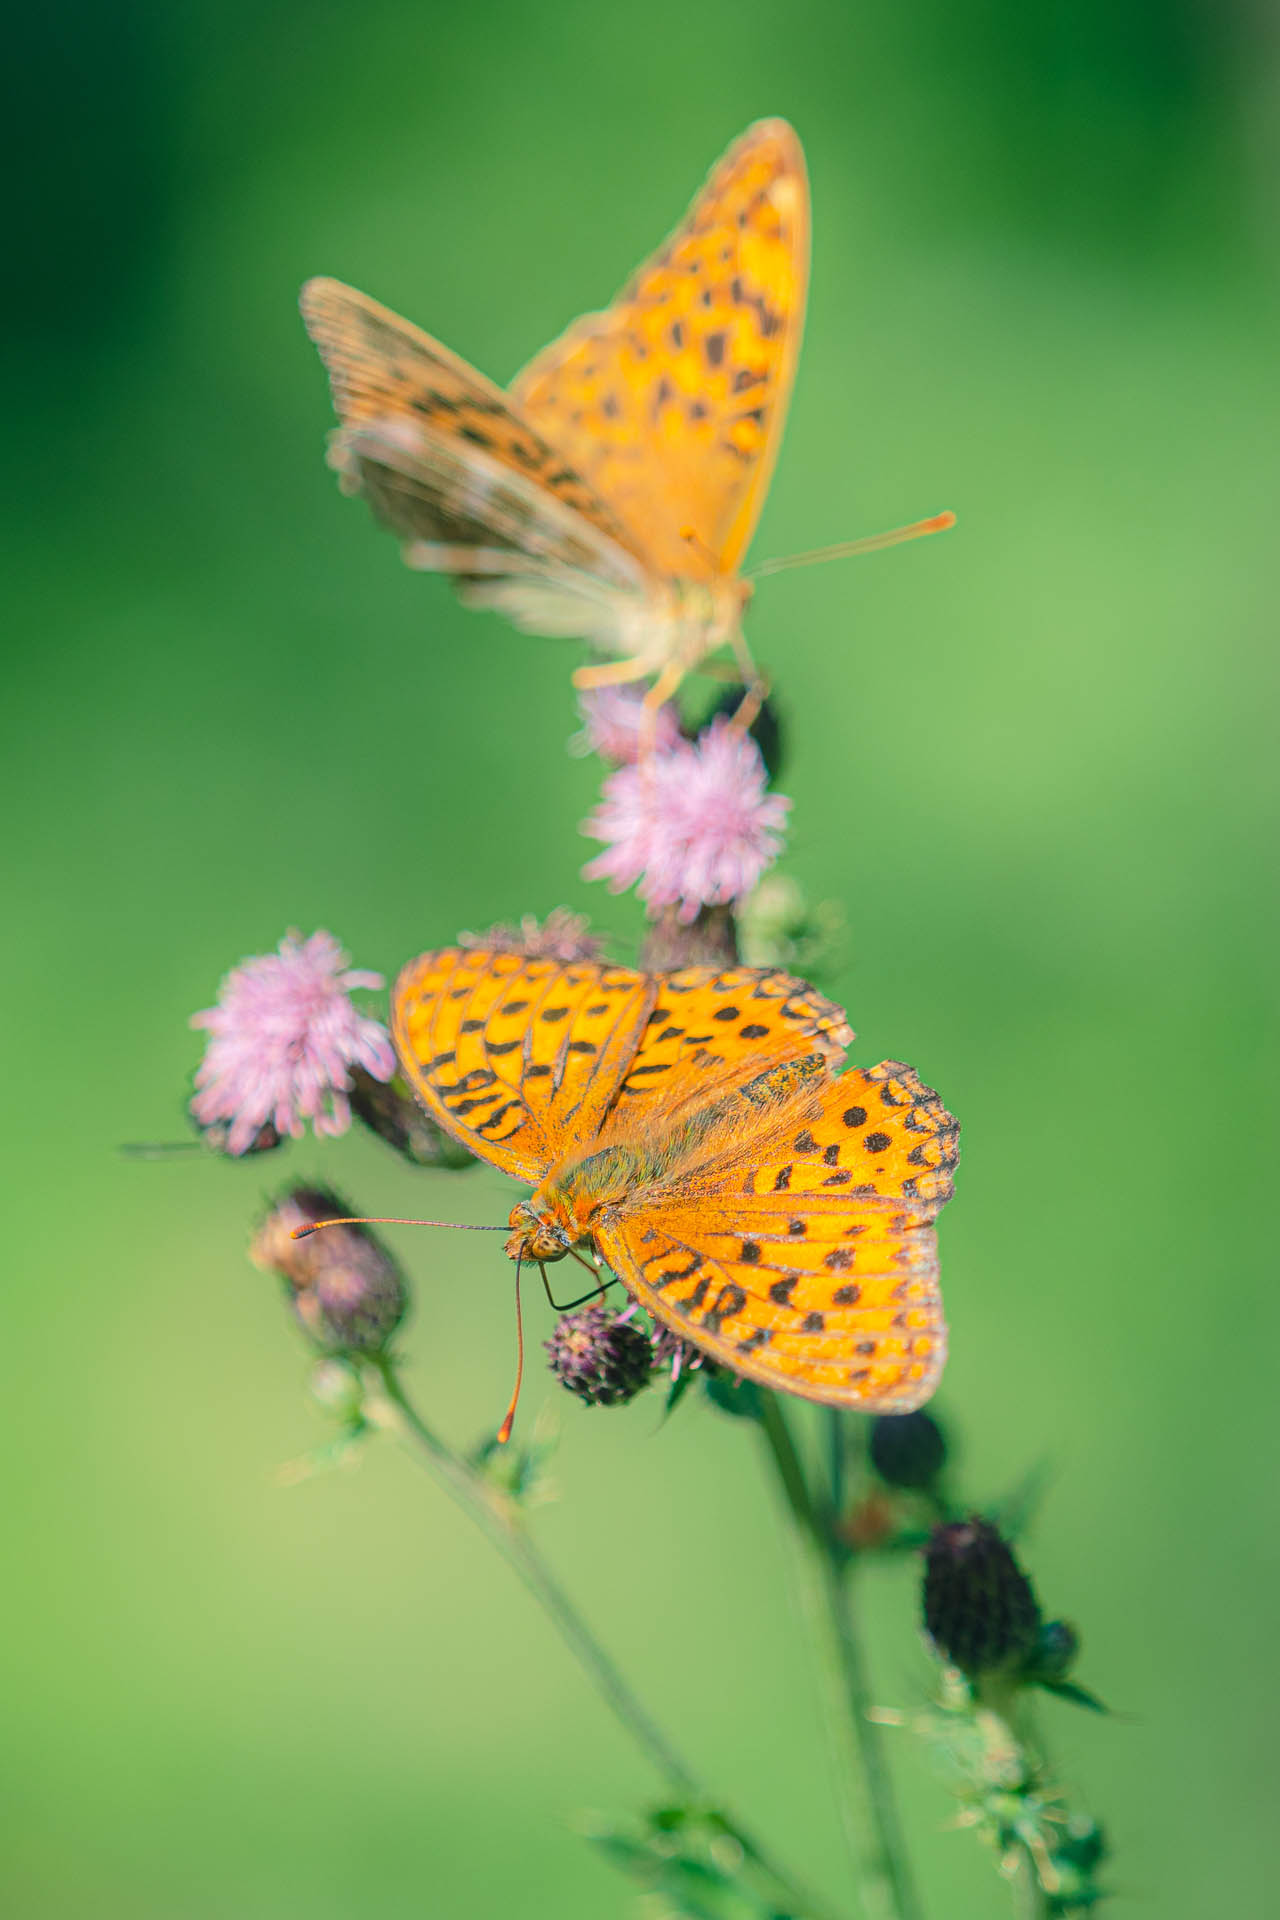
{"x": 574, "y": 1198}
{"x": 699, "y": 616}
{"x": 584, "y": 1192}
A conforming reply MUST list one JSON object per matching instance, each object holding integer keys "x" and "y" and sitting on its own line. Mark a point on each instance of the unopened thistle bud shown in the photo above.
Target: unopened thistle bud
{"x": 980, "y": 1609}
{"x": 907, "y": 1449}
{"x": 389, "y": 1109}
{"x": 602, "y": 1356}
{"x": 342, "y": 1283}
{"x": 1055, "y": 1650}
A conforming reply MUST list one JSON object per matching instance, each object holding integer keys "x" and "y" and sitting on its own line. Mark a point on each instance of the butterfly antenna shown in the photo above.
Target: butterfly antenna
{"x": 389, "y": 1220}
{"x": 508, "y": 1419}
{"x": 845, "y": 549}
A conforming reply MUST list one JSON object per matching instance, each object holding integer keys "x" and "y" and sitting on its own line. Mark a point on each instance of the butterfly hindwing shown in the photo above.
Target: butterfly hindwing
{"x": 803, "y": 1254}
{"x": 671, "y": 403}
{"x": 517, "y": 1058}
{"x": 834, "y": 1300}
{"x": 880, "y": 1130}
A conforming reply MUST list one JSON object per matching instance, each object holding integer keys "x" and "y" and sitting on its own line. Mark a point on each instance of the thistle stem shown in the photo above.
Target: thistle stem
{"x": 825, "y": 1569}
{"x": 478, "y": 1500}
{"x": 501, "y": 1526}
{"x": 1029, "y": 1900}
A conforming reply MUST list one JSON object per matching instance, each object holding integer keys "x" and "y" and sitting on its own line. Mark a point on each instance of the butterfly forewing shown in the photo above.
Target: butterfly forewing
{"x": 443, "y": 456}
{"x": 519, "y": 1059}
{"x": 706, "y": 1021}
{"x": 671, "y": 403}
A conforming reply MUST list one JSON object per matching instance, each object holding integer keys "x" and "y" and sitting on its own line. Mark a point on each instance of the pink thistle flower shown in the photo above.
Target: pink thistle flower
{"x": 693, "y": 828}
{"x": 562, "y": 936}
{"x": 671, "y": 1354}
{"x": 283, "y": 1036}
{"x": 612, "y": 720}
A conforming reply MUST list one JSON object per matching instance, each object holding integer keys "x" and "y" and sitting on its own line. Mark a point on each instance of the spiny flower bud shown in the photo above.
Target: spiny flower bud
{"x": 907, "y": 1449}
{"x": 347, "y": 1291}
{"x": 980, "y": 1609}
{"x": 390, "y": 1110}
{"x": 600, "y": 1355}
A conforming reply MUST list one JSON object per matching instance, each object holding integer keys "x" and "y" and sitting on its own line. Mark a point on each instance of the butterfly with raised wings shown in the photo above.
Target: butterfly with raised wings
{"x": 691, "y": 1131}
{"x": 610, "y": 494}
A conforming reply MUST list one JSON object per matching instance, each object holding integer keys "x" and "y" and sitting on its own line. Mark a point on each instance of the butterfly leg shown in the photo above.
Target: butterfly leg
{"x": 754, "y": 682}
{"x": 617, "y": 673}
{"x": 567, "y": 1306}
{"x": 623, "y": 672}
{"x": 654, "y": 701}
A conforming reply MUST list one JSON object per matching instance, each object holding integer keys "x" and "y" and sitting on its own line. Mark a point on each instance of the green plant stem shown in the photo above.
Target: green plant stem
{"x": 501, "y": 1526}
{"x": 871, "y": 1824}
{"x": 1029, "y": 1899}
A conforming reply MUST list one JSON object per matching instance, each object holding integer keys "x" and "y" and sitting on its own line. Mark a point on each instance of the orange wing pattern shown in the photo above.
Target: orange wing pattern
{"x": 710, "y": 1026}
{"x": 834, "y": 1300}
{"x": 518, "y": 1059}
{"x": 881, "y": 1131}
{"x": 443, "y": 457}
{"x": 671, "y": 404}
{"x": 806, "y": 1258}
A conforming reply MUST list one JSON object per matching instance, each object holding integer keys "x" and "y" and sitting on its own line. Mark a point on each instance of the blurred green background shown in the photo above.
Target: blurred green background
{"x": 1043, "y": 295}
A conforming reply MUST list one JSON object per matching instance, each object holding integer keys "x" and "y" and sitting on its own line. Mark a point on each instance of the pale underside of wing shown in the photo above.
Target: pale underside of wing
{"x": 471, "y": 489}
{"x": 518, "y": 1059}
{"x": 671, "y": 403}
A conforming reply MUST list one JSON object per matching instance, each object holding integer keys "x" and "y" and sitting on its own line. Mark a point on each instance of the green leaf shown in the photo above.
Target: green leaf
{"x": 1070, "y": 1691}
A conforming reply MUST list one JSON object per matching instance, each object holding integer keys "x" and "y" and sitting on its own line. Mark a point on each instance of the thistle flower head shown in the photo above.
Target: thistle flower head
{"x": 613, "y": 724}
{"x": 346, "y": 1290}
{"x": 283, "y": 1038}
{"x": 671, "y": 1354}
{"x": 561, "y": 936}
{"x": 690, "y": 828}
{"x": 980, "y": 1609}
{"x": 602, "y": 1356}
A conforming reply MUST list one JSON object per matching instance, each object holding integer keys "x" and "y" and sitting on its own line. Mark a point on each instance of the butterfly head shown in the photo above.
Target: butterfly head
{"x": 574, "y": 1200}
{"x": 537, "y": 1233}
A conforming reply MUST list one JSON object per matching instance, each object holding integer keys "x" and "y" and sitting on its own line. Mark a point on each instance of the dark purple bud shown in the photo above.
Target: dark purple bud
{"x": 980, "y": 1609}
{"x": 602, "y": 1356}
{"x": 907, "y": 1449}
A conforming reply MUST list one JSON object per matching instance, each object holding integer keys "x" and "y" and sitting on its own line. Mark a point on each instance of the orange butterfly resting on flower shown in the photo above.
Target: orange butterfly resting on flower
{"x": 611, "y": 493}
{"x": 689, "y": 1130}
